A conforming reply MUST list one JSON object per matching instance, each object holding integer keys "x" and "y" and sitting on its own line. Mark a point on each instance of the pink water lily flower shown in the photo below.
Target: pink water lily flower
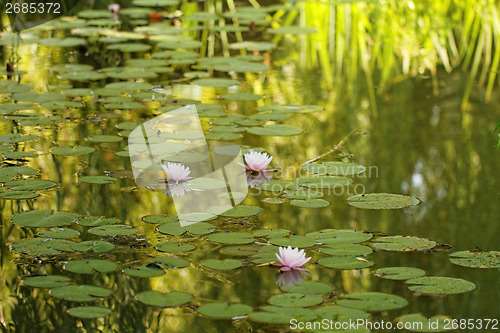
{"x": 115, "y": 9}
{"x": 256, "y": 161}
{"x": 253, "y": 179}
{"x": 176, "y": 172}
{"x": 292, "y": 258}
{"x": 291, "y": 277}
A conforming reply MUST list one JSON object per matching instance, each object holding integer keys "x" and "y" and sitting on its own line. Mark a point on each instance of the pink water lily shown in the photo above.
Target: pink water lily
{"x": 176, "y": 172}
{"x": 257, "y": 161}
{"x": 291, "y": 277}
{"x": 253, "y": 179}
{"x": 115, "y": 9}
{"x": 291, "y": 259}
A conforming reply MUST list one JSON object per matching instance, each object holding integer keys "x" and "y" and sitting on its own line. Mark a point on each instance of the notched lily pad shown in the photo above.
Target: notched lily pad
{"x": 311, "y": 203}
{"x": 97, "y": 179}
{"x": 231, "y": 238}
{"x": 175, "y": 229}
{"x": 69, "y": 151}
{"x": 345, "y": 262}
{"x": 403, "y": 244}
{"x": 339, "y": 236}
{"x": 223, "y": 310}
{"x": 476, "y": 259}
{"x": 437, "y": 285}
{"x": 382, "y": 201}
{"x": 372, "y": 301}
{"x": 307, "y": 287}
{"x": 175, "y": 247}
{"x": 96, "y": 246}
{"x": 323, "y": 182}
{"x": 156, "y": 298}
{"x": 145, "y": 271}
{"x": 293, "y": 241}
{"x": 88, "y": 312}
{"x": 43, "y": 218}
{"x": 226, "y": 264}
{"x": 88, "y": 266}
{"x": 82, "y": 293}
{"x": 113, "y": 230}
{"x": 46, "y": 281}
{"x": 399, "y": 273}
{"x": 295, "y": 300}
{"x": 59, "y": 233}
{"x": 242, "y": 211}
{"x": 30, "y": 184}
{"x": 275, "y": 130}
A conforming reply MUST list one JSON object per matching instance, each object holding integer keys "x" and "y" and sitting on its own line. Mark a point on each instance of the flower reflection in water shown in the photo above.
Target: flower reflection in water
{"x": 255, "y": 179}
{"x": 291, "y": 259}
{"x": 174, "y": 189}
{"x": 290, "y": 277}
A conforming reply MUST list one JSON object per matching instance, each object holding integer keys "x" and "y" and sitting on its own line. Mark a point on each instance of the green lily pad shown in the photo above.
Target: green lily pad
{"x": 113, "y": 230}
{"x": 335, "y": 168}
{"x": 64, "y": 42}
{"x": 18, "y": 155}
{"x": 223, "y": 136}
{"x": 217, "y": 83}
{"x": 382, "y": 201}
{"x": 241, "y": 97}
{"x": 145, "y": 271}
{"x": 83, "y": 76}
{"x": 82, "y": 293}
{"x": 175, "y": 247}
{"x": 304, "y": 194}
{"x": 171, "y": 262}
{"x": 295, "y": 300}
{"x": 416, "y": 322}
{"x": 275, "y": 130}
{"x": 339, "y": 236}
{"x": 175, "y": 229}
{"x": 273, "y": 201}
{"x": 372, "y": 301}
{"x": 69, "y": 151}
{"x": 311, "y": 203}
{"x": 399, "y": 273}
{"x": 160, "y": 219}
{"x": 241, "y": 66}
{"x": 30, "y": 184}
{"x": 97, "y": 221}
{"x": 293, "y": 30}
{"x": 323, "y": 182}
{"x": 242, "y": 211}
{"x": 293, "y": 241}
{"x": 346, "y": 250}
{"x": 476, "y": 259}
{"x": 104, "y": 138}
{"x": 341, "y": 314}
{"x": 97, "y": 179}
{"x": 88, "y": 312}
{"x": 403, "y": 244}
{"x": 46, "y": 281}
{"x": 88, "y": 266}
{"x": 156, "y": 298}
{"x": 129, "y": 47}
{"x": 307, "y": 287}
{"x": 231, "y": 238}
{"x": 282, "y": 315}
{"x": 271, "y": 233}
{"x": 437, "y": 285}
{"x": 223, "y": 310}
{"x": 241, "y": 250}
{"x": 345, "y": 262}
{"x": 16, "y": 137}
{"x": 96, "y": 246}
{"x": 18, "y": 195}
{"x": 59, "y": 233}
{"x": 42, "y": 246}
{"x": 226, "y": 264}
{"x": 12, "y": 171}
{"x": 43, "y": 218}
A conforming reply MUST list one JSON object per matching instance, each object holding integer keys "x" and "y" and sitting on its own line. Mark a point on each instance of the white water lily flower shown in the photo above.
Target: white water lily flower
{"x": 291, "y": 258}
{"x": 176, "y": 172}
{"x": 256, "y": 161}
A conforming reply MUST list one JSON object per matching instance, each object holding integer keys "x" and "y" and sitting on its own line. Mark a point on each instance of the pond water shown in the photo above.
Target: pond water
{"x": 413, "y": 139}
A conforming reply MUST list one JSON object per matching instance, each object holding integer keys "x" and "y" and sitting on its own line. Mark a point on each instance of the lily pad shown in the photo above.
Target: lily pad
{"x": 82, "y": 293}
{"x": 88, "y": 266}
{"x": 382, "y": 201}
{"x": 145, "y": 271}
{"x": 294, "y": 241}
{"x": 42, "y": 246}
{"x": 96, "y": 246}
{"x": 231, "y": 238}
{"x": 311, "y": 203}
{"x": 97, "y": 221}
{"x": 97, "y": 179}
{"x": 160, "y": 219}
{"x": 59, "y": 233}
{"x": 335, "y": 168}
{"x": 18, "y": 195}
{"x": 338, "y": 313}
{"x": 105, "y": 138}
{"x": 277, "y": 185}
{"x": 113, "y": 230}
{"x": 345, "y": 262}
{"x": 242, "y": 211}
{"x": 156, "y": 298}
{"x": 323, "y": 182}
{"x": 307, "y": 287}
{"x": 372, "y": 301}
{"x": 30, "y": 184}
{"x": 275, "y": 130}
{"x": 403, "y": 244}
{"x": 175, "y": 247}
{"x": 282, "y": 315}
{"x": 223, "y": 310}
{"x": 476, "y": 259}
{"x": 227, "y": 264}
{"x": 339, "y": 236}
{"x": 273, "y": 201}
{"x": 69, "y": 151}
{"x": 399, "y": 273}
{"x": 171, "y": 262}
{"x": 175, "y": 229}
{"x": 304, "y": 194}
{"x": 217, "y": 83}
{"x": 46, "y": 281}
{"x": 43, "y": 218}
{"x": 241, "y": 97}
{"x": 295, "y": 300}
{"x": 16, "y": 137}
{"x": 129, "y": 47}
{"x": 88, "y": 312}
{"x": 437, "y": 285}
{"x": 346, "y": 250}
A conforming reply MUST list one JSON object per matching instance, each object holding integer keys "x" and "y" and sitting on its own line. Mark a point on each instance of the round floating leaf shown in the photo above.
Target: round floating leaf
{"x": 218, "y": 83}
{"x": 96, "y": 221}
{"x": 295, "y": 300}
{"x": 69, "y": 151}
{"x": 403, "y": 244}
{"x": 43, "y": 218}
{"x": 271, "y": 233}
{"x": 372, "y": 301}
{"x": 175, "y": 247}
{"x": 304, "y": 194}
{"x": 42, "y": 246}
{"x": 46, "y": 281}
{"x": 88, "y": 312}
{"x": 88, "y": 266}
{"x": 312, "y": 203}
{"x": 242, "y": 211}
{"x": 145, "y": 271}
{"x": 241, "y": 250}
{"x": 175, "y": 229}
{"x": 241, "y": 66}
{"x": 476, "y": 259}
{"x": 223, "y": 310}
{"x": 415, "y": 322}
{"x": 155, "y": 298}
{"x": 273, "y": 201}
{"x": 30, "y": 184}
{"x": 226, "y": 264}
{"x": 241, "y": 97}
{"x": 339, "y": 236}
{"x": 294, "y": 241}
{"x": 223, "y": 136}
{"x": 282, "y": 315}
{"x": 97, "y": 179}
{"x": 437, "y": 285}
{"x": 171, "y": 262}
{"x": 81, "y": 293}
{"x": 59, "y": 233}
{"x": 335, "y": 168}
{"x": 160, "y": 219}
{"x": 399, "y": 273}
{"x": 231, "y": 238}
{"x": 345, "y": 262}
{"x": 16, "y": 137}
{"x": 19, "y": 155}
{"x": 18, "y": 195}
{"x": 338, "y": 313}
{"x": 323, "y": 182}
{"x": 277, "y": 185}
{"x": 346, "y": 250}
{"x": 12, "y": 171}
{"x": 307, "y": 287}
{"x": 96, "y": 246}
{"x": 104, "y": 138}
{"x": 275, "y": 130}
{"x": 113, "y": 230}
{"x": 382, "y": 201}
{"x": 293, "y": 30}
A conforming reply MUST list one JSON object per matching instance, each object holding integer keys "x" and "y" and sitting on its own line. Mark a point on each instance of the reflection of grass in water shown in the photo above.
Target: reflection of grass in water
{"x": 395, "y": 38}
